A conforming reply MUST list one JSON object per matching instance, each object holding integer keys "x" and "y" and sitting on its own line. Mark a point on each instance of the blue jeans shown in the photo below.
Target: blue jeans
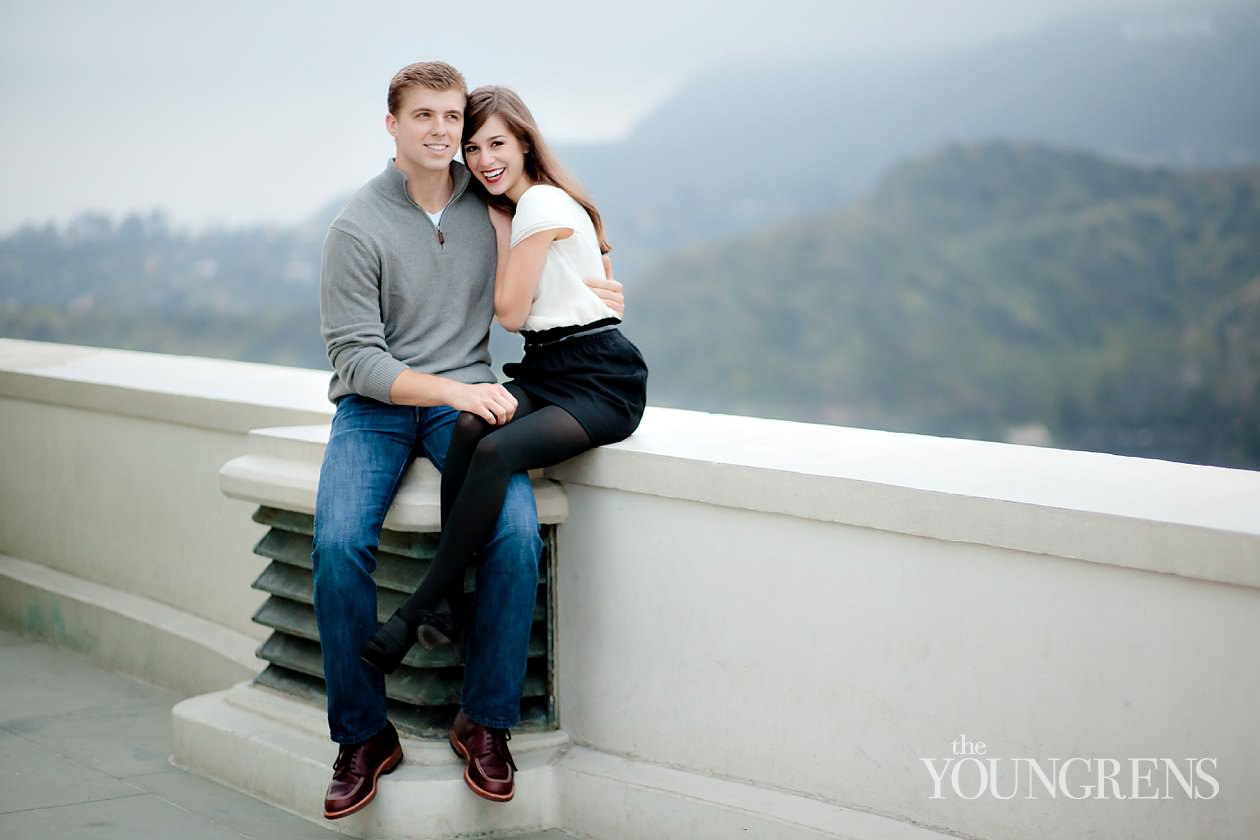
{"x": 369, "y": 449}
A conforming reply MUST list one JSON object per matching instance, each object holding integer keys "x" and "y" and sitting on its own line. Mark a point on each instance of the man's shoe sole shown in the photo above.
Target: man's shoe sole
{"x": 387, "y": 767}
{"x": 462, "y": 752}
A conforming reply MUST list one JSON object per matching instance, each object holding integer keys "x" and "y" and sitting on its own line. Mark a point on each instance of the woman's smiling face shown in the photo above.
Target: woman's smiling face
{"x": 496, "y": 158}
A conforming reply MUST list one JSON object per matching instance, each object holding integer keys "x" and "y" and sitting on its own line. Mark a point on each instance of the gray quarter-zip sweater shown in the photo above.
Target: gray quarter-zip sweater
{"x": 398, "y": 292}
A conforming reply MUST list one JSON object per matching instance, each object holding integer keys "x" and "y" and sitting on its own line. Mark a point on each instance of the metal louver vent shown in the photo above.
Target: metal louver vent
{"x": 424, "y": 692}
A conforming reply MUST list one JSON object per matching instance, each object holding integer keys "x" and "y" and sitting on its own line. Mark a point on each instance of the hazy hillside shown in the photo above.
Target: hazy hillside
{"x": 983, "y": 288}
{"x": 747, "y": 145}
{"x": 250, "y": 294}
{"x": 744, "y": 146}
{"x": 977, "y": 289}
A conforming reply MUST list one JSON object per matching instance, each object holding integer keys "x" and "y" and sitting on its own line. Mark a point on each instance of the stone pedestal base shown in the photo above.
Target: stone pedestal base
{"x": 277, "y": 749}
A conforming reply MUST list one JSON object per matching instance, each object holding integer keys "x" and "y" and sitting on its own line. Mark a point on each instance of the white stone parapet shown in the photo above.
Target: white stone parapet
{"x": 763, "y": 629}
{"x": 281, "y": 470}
{"x": 1197, "y": 522}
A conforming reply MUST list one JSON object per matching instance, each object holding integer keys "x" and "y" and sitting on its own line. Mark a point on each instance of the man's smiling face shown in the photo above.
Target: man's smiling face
{"x": 427, "y": 128}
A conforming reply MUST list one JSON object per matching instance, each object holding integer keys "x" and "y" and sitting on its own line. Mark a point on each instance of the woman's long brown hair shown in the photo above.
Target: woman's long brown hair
{"x": 541, "y": 166}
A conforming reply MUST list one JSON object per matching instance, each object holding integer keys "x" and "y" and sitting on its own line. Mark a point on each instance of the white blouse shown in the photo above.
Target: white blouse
{"x": 562, "y": 299}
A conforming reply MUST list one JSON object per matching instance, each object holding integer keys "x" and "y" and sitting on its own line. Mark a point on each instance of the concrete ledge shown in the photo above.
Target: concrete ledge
{"x": 122, "y": 631}
{"x": 282, "y": 470}
{"x": 192, "y": 391}
{"x": 1193, "y": 521}
{"x": 604, "y": 795}
{"x": 276, "y": 748}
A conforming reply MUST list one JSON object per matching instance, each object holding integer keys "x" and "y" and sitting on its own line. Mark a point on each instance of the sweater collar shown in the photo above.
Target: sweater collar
{"x": 393, "y": 182}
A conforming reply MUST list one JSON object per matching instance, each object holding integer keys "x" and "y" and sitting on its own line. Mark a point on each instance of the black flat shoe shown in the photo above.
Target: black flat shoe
{"x": 385, "y": 650}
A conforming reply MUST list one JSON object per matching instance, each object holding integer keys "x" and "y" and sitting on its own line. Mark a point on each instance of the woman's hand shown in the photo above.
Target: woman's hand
{"x": 608, "y": 290}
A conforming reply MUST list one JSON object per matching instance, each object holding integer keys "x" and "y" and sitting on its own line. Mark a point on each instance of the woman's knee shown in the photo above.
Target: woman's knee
{"x": 469, "y": 428}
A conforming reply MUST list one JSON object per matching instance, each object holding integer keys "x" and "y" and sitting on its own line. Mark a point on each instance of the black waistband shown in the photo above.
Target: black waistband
{"x": 541, "y": 338}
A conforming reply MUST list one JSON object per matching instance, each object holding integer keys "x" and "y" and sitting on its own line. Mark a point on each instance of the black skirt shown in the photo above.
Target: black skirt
{"x": 600, "y": 378}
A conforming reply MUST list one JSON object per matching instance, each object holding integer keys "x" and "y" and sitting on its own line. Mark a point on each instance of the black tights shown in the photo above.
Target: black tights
{"x": 481, "y": 460}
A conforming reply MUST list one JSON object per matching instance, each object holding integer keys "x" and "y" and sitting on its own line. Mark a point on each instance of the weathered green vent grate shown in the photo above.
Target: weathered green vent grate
{"x": 424, "y": 691}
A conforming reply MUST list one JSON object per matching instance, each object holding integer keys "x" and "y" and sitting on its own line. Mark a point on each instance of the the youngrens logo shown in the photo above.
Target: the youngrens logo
{"x": 970, "y": 773}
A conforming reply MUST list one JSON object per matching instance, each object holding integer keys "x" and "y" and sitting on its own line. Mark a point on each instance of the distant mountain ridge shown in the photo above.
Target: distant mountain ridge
{"x": 749, "y": 144}
{"x": 746, "y": 145}
{"x": 979, "y": 289}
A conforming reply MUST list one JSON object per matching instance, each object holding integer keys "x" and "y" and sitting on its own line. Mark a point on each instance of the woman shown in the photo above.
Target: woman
{"x": 581, "y": 383}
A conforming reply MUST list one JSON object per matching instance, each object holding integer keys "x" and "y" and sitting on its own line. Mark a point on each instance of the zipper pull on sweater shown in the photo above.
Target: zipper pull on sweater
{"x": 441, "y": 238}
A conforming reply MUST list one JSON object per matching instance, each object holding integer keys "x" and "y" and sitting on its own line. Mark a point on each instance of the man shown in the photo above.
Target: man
{"x": 406, "y": 300}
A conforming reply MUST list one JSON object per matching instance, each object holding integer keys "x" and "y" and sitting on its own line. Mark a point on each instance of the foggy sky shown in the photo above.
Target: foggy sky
{"x": 234, "y": 112}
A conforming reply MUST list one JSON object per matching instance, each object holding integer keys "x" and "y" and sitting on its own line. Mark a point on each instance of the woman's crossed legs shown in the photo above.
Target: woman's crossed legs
{"x": 481, "y": 460}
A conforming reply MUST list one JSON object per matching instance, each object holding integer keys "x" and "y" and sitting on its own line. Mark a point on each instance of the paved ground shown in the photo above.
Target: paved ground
{"x": 83, "y": 754}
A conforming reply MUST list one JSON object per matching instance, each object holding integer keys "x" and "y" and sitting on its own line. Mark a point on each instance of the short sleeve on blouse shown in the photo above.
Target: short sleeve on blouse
{"x": 542, "y": 207}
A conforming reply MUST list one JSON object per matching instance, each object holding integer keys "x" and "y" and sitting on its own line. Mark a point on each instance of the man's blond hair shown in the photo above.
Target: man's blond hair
{"x": 434, "y": 75}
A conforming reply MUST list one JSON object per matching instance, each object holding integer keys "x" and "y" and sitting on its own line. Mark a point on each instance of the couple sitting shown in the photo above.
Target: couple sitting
{"x": 414, "y": 269}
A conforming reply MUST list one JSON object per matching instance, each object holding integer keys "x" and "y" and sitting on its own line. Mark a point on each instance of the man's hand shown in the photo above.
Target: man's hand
{"x": 488, "y": 400}
{"x": 608, "y": 290}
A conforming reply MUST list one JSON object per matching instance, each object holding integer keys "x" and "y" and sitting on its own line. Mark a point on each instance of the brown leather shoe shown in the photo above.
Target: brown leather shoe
{"x": 490, "y": 771}
{"x": 356, "y": 770}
